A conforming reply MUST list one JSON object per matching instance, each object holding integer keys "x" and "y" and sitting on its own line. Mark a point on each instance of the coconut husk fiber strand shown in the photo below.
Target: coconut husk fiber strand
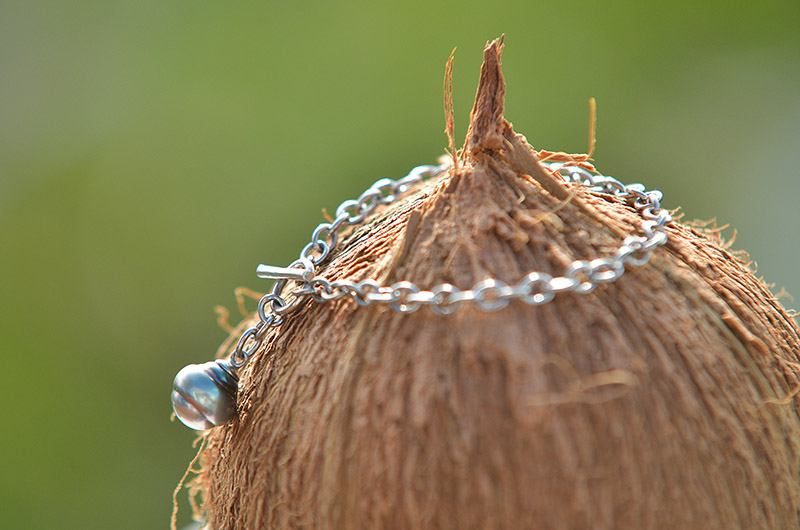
{"x": 660, "y": 401}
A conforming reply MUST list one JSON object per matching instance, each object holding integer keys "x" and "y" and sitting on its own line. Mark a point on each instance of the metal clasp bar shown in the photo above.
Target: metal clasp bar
{"x": 280, "y": 273}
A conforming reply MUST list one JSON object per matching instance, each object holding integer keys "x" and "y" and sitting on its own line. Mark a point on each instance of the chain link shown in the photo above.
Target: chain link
{"x": 535, "y": 288}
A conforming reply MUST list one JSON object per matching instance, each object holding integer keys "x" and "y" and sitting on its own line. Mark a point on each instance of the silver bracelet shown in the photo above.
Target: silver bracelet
{"x": 204, "y": 395}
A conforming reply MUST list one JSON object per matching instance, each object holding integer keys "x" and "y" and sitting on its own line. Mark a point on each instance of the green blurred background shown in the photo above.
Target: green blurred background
{"x": 152, "y": 153}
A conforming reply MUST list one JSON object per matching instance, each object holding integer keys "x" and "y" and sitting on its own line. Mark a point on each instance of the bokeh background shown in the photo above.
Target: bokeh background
{"x": 152, "y": 153}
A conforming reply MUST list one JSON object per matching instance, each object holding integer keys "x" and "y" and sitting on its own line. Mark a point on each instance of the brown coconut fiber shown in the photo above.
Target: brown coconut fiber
{"x": 664, "y": 400}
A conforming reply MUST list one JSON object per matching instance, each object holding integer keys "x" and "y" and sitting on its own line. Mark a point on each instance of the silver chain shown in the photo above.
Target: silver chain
{"x": 535, "y": 288}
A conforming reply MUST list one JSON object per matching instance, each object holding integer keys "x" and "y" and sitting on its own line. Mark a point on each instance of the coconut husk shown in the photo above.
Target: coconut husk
{"x": 663, "y": 400}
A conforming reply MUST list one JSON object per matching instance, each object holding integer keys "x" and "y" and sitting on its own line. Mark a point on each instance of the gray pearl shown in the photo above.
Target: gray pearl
{"x": 204, "y": 395}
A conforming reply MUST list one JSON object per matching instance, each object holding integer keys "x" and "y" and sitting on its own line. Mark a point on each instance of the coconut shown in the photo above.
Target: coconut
{"x": 665, "y": 399}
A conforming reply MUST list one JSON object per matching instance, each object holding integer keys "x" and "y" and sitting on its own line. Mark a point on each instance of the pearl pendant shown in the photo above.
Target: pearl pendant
{"x": 204, "y": 395}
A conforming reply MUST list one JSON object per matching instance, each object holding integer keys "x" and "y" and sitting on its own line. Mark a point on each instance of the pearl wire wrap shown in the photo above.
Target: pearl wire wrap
{"x": 535, "y": 288}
